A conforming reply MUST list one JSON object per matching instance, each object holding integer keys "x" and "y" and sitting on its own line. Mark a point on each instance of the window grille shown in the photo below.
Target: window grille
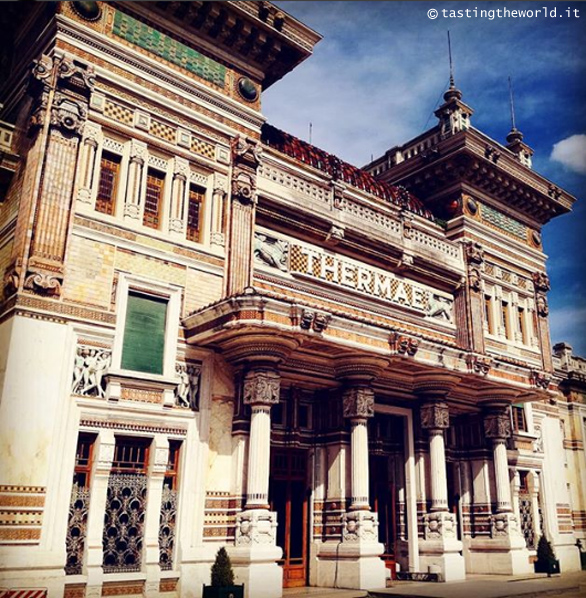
{"x": 79, "y": 506}
{"x": 194, "y": 211}
{"x": 108, "y": 183}
{"x": 153, "y": 199}
{"x": 168, "y": 519}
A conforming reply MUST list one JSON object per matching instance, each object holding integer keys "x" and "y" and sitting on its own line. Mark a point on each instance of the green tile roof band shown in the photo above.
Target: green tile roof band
{"x": 502, "y": 221}
{"x": 165, "y": 47}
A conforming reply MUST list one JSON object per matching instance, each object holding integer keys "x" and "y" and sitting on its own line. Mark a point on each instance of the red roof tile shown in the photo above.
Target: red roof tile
{"x": 342, "y": 171}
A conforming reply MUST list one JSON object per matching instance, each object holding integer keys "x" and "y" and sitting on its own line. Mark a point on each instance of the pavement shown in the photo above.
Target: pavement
{"x": 566, "y": 585}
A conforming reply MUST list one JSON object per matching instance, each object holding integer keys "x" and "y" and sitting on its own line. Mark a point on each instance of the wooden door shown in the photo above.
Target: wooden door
{"x": 288, "y": 496}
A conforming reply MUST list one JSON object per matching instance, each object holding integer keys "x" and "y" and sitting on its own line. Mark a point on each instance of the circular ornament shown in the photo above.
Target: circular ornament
{"x": 90, "y": 11}
{"x": 247, "y": 89}
{"x": 471, "y": 206}
{"x": 536, "y": 238}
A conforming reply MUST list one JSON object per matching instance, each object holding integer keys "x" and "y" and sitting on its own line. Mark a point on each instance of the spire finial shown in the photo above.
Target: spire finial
{"x": 513, "y": 126}
{"x": 452, "y": 84}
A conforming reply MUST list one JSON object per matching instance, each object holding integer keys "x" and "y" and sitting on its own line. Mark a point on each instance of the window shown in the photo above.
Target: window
{"x": 505, "y": 318}
{"x": 194, "y": 213}
{"x": 131, "y": 455}
{"x": 144, "y": 333}
{"x": 522, "y": 326}
{"x": 519, "y": 420}
{"x": 154, "y": 199}
{"x": 172, "y": 465}
{"x": 488, "y": 314}
{"x": 108, "y": 183}
{"x": 83, "y": 460}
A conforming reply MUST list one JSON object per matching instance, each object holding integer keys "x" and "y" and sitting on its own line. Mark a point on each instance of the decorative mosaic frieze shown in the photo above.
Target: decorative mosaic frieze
{"x": 167, "y": 48}
{"x": 503, "y": 222}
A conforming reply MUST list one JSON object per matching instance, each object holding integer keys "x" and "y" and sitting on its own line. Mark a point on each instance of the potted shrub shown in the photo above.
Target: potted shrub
{"x": 222, "y": 585}
{"x": 546, "y": 561}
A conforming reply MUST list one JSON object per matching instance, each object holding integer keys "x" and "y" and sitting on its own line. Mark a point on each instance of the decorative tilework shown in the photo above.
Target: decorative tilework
{"x": 503, "y": 222}
{"x": 165, "y": 47}
{"x": 203, "y": 148}
{"x": 120, "y": 113}
{"x": 159, "y": 129}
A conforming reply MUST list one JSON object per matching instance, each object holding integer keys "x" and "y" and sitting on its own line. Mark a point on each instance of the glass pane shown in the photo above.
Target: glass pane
{"x": 144, "y": 334}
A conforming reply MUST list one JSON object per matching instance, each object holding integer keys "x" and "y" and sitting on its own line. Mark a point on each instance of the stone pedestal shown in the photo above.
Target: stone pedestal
{"x": 440, "y": 550}
{"x": 255, "y": 554}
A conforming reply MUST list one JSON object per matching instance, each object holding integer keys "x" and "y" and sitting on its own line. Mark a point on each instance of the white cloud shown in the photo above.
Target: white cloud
{"x": 568, "y": 324}
{"x": 571, "y": 152}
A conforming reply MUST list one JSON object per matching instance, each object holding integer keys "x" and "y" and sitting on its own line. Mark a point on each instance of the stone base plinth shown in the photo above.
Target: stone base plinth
{"x": 355, "y": 562}
{"x": 440, "y": 550}
{"x": 503, "y": 553}
{"x": 254, "y": 558}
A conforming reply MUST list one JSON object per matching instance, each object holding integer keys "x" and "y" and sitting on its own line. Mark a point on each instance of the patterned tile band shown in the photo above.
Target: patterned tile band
{"x": 165, "y": 47}
{"x": 503, "y": 222}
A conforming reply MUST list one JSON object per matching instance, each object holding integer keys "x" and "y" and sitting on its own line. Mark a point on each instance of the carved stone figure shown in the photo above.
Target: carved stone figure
{"x": 321, "y": 321}
{"x": 542, "y": 306}
{"x": 186, "y": 394}
{"x": 440, "y": 308}
{"x": 272, "y": 252}
{"x": 474, "y": 278}
{"x": 360, "y": 526}
{"x": 335, "y": 234}
{"x": 89, "y": 371}
{"x": 541, "y": 282}
{"x": 540, "y": 379}
{"x": 403, "y": 344}
{"x": 474, "y": 252}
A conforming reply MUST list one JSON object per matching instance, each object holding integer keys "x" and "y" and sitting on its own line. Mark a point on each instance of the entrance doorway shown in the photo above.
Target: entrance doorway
{"x": 288, "y": 496}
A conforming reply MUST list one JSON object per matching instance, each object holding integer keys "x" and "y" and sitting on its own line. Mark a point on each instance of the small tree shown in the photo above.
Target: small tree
{"x": 222, "y": 573}
{"x": 545, "y": 553}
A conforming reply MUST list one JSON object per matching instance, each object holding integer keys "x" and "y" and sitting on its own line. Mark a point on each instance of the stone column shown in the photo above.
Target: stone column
{"x": 497, "y": 427}
{"x": 506, "y": 547}
{"x": 246, "y": 154}
{"x": 440, "y": 549}
{"x": 542, "y": 286}
{"x": 359, "y": 408}
{"x": 92, "y": 137}
{"x": 177, "y": 213}
{"x": 356, "y": 563}
{"x": 159, "y": 455}
{"x": 134, "y": 181}
{"x": 261, "y": 390}
{"x": 218, "y": 210}
{"x": 61, "y": 113}
{"x": 94, "y": 551}
{"x": 435, "y": 418}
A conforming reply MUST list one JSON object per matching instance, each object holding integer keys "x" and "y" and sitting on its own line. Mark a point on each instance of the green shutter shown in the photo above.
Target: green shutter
{"x": 144, "y": 334}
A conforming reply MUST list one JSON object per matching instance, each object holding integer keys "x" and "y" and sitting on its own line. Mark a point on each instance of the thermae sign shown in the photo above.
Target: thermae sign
{"x": 344, "y": 272}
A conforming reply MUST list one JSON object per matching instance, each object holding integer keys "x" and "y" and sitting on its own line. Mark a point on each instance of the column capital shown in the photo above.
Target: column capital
{"x": 435, "y": 386}
{"x": 498, "y": 398}
{"x": 261, "y": 349}
{"x": 358, "y": 369}
{"x": 358, "y": 402}
{"x": 497, "y": 425}
{"x": 435, "y": 416}
{"x": 261, "y": 387}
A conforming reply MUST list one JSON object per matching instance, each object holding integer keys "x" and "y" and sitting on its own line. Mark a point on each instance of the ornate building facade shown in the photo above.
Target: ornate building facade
{"x": 220, "y": 335}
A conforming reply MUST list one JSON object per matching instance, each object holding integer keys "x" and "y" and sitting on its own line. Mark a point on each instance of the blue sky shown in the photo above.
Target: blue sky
{"x": 379, "y": 73}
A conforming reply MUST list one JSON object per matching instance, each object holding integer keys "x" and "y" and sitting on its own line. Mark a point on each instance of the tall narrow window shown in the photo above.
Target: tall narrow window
{"x": 108, "y": 183}
{"x": 126, "y": 506}
{"x": 144, "y": 333}
{"x": 488, "y": 314}
{"x": 522, "y": 325}
{"x": 505, "y": 319}
{"x": 154, "y": 199}
{"x": 169, "y": 508}
{"x": 519, "y": 420}
{"x": 79, "y": 505}
{"x": 194, "y": 213}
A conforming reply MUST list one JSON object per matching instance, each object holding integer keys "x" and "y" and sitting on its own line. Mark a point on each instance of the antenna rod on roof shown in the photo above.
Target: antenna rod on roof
{"x": 451, "y": 63}
{"x": 513, "y": 126}
{"x": 310, "y": 129}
